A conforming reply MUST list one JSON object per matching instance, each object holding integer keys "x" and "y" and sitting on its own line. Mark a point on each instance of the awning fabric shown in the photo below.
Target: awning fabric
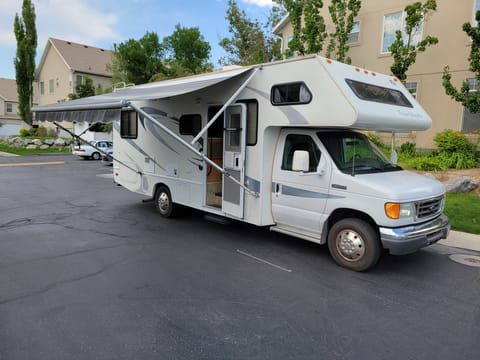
{"x": 105, "y": 108}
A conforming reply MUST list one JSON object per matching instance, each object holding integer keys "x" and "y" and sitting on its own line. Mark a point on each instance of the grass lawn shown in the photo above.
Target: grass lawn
{"x": 463, "y": 211}
{"x": 21, "y": 151}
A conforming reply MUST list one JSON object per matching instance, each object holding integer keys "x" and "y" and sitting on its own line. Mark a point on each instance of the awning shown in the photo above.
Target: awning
{"x": 105, "y": 108}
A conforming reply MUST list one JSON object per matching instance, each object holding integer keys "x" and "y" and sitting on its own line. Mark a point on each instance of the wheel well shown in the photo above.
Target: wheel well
{"x": 345, "y": 213}
{"x": 158, "y": 185}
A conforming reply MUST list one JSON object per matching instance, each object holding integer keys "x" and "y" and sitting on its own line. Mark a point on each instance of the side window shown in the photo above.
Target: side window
{"x": 129, "y": 125}
{"x": 252, "y": 121}
{"x": 295, "y": 142}
{"x": 190, "y": 124}
{"x": 290, "y": 94}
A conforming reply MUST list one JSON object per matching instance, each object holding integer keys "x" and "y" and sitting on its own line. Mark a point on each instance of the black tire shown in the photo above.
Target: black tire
{"x": 163, "y": 202}
{"x": 96, "y": 156}
{"x": 354, "y": 244}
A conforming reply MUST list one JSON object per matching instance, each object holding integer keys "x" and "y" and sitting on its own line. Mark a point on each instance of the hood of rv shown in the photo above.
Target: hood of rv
{"x": 398, "y": 186}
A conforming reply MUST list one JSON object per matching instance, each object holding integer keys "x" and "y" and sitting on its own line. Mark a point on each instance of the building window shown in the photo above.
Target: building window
{"x": 477, "y": 8}
{"x": 354, "y": 36}
{"x": 290, "y": 94}
{"x": 51, "y": 86}
{"x": 78, "y": 80}
{"x": 393, "y": 23}
{"x": 42, "y": 88}
{"x": 129, "y": 125}
{"x": 412, "y": 88}
{"x": 473, "y": 84}
{"x": 9, "y": 107}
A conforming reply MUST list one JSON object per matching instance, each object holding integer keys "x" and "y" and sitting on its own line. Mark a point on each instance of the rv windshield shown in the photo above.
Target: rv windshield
{"x": 354, "y": 153}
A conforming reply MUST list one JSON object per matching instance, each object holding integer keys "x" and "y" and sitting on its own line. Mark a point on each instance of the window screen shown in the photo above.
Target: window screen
{"x": 290, "y": 94}
{"x": 129, "y": 125}
{"x": 378, "y": 94}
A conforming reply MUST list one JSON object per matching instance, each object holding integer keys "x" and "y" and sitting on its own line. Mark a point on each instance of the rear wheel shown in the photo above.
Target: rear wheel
{"x": 96, "y": 156}
{"x": 163, "y": 202}
{"x": 354, "y": 244}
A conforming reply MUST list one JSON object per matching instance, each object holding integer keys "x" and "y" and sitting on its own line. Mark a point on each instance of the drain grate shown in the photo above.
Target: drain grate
{"x": 470, "y": 260}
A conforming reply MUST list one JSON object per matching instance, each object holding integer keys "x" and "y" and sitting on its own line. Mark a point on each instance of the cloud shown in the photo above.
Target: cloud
{"x": 75, "y": 20}
{"x": 261, "y": 3}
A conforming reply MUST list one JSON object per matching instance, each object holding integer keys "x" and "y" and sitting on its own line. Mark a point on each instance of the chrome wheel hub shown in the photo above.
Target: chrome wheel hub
{"x": 350, "y": 245}
{"x": 163, "y": 203}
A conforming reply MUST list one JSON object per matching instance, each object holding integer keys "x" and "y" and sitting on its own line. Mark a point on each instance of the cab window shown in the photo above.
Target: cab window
{"x": 295, "y": 142}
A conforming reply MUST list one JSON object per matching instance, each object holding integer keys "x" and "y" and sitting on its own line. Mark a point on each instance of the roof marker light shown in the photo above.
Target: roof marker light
{"x": 365, "y": 71}
{"x": 329, "y": 61}
{"x": 357, "y": 69}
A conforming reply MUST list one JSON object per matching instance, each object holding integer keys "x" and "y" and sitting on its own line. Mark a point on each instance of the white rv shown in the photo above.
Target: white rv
{"x": 276, "y": 145}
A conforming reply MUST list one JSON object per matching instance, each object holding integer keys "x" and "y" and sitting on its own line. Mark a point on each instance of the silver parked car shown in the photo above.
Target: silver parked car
{"x": 90, "y": 152}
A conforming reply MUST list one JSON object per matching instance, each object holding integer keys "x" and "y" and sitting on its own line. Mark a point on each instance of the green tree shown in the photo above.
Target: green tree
{"x": 26, "y": 36}
{"x": 342, "y": 13}
{"x": 404, "y": 50}
{"x": 83, "y": 90}
{"x": 469, "y": 99}
{"x": 309, "y": 31}
{"x": 187, "y": 49}
{"x": 249, "y": 43}
{"x": 137, "y": 61}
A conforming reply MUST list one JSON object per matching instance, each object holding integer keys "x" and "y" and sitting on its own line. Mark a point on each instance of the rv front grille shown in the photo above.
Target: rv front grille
{"x": 430, "y": 207}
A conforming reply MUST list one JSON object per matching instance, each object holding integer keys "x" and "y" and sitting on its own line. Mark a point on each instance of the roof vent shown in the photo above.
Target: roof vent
{"x": 69, "y": 43}
{"x": 85, "y": 46}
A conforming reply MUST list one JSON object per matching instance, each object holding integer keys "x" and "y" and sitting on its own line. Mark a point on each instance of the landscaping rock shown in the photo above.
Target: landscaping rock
{"x": 44, "y": 147}
{"x": 462, "y": 184}
{"x": 31, "y": 147}
{"x": 37, "y": 142}
{"x": 26, "y": 141}
{"x": 49, "y": 142}
{"x": 59, "y": 142}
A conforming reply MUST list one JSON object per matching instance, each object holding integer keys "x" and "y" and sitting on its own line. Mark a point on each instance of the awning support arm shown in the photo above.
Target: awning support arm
{"x": 229, "y": 101}
{"x": 190, "y": 147}
{"x": 79, "y": 138}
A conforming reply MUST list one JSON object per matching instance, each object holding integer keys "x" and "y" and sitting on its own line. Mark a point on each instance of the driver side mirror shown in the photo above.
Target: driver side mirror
{"x": 301, "y": 161}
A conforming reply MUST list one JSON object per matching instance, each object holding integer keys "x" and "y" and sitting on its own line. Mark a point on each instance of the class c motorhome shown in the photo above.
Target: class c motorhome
{"x": 278, "y": 145}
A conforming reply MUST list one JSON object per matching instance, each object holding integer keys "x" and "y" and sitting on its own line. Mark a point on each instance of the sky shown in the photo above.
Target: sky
{"x": 102, "y": 23}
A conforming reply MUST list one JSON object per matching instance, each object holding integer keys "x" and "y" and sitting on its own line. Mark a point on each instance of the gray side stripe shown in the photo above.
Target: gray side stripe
{"x": 297, "y": 192}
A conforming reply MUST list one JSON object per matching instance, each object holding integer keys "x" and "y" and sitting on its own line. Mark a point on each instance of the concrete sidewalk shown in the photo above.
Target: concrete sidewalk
{"x": 7, "y": 154}
{"x": 462, "y": 240}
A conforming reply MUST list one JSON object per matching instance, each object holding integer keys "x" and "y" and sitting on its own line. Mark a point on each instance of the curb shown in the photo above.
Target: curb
{"x": 462, "y": 240}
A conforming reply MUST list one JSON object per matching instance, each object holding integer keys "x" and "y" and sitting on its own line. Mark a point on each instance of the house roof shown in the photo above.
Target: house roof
{"x": 79, "y": 57}
{"x": 8, "y": 90}
{"x": 277, "y": 29}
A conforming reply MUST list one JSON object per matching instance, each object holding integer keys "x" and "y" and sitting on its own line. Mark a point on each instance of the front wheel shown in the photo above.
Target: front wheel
{"x": 96, "y": 156}
{"x": 163, "y": 202}
{"x": 354, "y": 244}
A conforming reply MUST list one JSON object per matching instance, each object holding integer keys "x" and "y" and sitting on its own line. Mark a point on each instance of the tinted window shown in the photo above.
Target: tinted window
{"x": 378, "y": 94}
{"x": 296, "y": 142}
{"x": 190, "y": 124}
{"x": 129, "y": 125}
{"x": 290, "y": 94}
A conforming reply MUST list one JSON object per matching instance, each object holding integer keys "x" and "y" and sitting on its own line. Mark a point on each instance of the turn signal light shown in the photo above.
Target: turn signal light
{"x": 392, "y": 210}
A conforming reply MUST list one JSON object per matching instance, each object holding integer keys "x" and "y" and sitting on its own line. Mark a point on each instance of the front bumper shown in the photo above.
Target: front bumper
{"x": 408, "y": 239}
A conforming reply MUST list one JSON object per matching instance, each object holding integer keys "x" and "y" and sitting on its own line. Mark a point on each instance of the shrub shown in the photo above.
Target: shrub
{"x": 41, "y": 131}
{"x": 409, "y": 149}
{"x": 24, "y": 132}
{"x": 453, "y": 141}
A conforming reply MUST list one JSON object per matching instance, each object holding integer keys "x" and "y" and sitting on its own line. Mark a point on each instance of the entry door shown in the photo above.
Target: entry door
{"x": 234, "y": 159}
{"x": 299, "y": 199}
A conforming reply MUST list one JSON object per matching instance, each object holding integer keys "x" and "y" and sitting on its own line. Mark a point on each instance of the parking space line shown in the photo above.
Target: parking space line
{"x": 34, "y": 163}
{"x": 264, "y": 261}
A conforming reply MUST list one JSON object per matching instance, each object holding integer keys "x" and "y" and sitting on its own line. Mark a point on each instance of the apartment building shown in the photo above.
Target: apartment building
{"x": 10, "y": 120}
{"x": 373, "y": 33}
{"x": 64, "y": 65}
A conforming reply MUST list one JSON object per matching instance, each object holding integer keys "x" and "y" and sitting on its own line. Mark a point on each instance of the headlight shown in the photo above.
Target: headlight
{"x": 399, "y": 210}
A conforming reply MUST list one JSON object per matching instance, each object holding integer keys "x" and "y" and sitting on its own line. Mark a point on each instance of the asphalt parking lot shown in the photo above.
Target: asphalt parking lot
{"x": 88, "y": 271}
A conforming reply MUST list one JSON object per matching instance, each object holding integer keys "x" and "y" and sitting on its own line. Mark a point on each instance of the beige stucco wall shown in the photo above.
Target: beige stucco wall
{"x": 453, "y": 50}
